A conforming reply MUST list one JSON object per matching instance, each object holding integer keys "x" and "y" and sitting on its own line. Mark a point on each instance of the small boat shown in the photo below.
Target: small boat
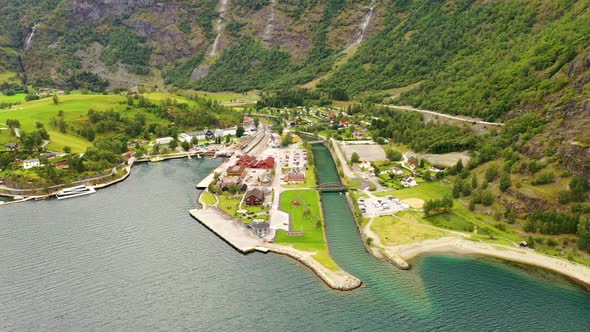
{"x": 156, "y": 159}
{"x": 74, "y": 192}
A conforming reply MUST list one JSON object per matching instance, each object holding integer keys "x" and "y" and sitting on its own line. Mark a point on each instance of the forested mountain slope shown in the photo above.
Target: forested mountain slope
{"x": 480, "y": 58}
{"x": 148, "y": 42}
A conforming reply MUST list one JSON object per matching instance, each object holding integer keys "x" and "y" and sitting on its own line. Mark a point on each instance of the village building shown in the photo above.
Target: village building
{"x": 231, "y": 131}
{"x": 295, "y": 177}
{"x": 266, "y": 178}
{"x": 267, "y": 163}
{"x": 236, "y": 170}
{"x": 437, "y": 169}
{"x": 259, "y": 227}
{"x": 30, "y": 163}
{"x": 408, "y": 182}
{"x": 129, "y": 154}
{"x": 164, "y": 140}
{"x": 62, "y": 164}
{"x": 397, "y": 171}
{"x": 184, "y": 137}
{"x": 254, "y": 197}
{"x": 226, "y": 182}
{"x": 12, "y": 146}
{"x": 365, "y": 165}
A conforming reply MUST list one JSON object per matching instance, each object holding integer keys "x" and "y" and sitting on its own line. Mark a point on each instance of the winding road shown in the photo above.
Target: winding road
{"x": 454, "y": 117}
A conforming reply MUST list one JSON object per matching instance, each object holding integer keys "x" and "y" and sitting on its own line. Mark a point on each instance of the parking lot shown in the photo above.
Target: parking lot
{"x": 294, "y": 158}
{"x": 379, "y": 206}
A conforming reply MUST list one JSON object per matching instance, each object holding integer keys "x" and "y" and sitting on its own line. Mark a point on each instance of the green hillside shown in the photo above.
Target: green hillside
{"x": 472, "y": 57}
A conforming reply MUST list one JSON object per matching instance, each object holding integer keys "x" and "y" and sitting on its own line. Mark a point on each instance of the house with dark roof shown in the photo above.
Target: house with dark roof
{"x": 259, "y": 227}
{"x": 254, "y": 197}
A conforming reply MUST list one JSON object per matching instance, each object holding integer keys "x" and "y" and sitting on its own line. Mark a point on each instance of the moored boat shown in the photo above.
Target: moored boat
{"x": 74, "y": 192}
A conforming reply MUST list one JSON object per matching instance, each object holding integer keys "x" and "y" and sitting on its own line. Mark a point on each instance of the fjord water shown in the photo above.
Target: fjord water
{"x": 131, "y": 258}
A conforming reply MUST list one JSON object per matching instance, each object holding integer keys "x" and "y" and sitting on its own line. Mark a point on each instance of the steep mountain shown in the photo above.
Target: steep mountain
{"x": 136, "y": 42}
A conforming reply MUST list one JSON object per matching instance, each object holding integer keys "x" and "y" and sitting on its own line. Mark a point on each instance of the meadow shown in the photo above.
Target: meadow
{"x": 74, "y": 107}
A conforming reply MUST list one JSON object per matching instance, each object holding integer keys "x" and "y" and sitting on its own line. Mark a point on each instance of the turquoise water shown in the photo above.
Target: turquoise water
{"x": 131, "y": 258}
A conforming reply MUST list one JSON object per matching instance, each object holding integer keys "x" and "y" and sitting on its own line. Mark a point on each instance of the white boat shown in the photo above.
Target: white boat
{"x": 74, "y": 192}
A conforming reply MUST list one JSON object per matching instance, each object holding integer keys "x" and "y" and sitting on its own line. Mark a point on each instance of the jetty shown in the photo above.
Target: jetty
{"x": 228, "y": 229}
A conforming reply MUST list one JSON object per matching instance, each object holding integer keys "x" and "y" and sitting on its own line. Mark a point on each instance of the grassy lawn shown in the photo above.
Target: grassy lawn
{"x": 156, "y": 97}
{"x": 75, "y": 107}
{"x": 450, "y": 221}
{"x": 306, "y": 217}
{"x": 229, "y": 203}
{"x": 394, "y": 231}
{"x": 59, "y": 140}
{"x": 424, "y": 191}
{"x": 208, "y": 198}
{"x": 19, "y": 97}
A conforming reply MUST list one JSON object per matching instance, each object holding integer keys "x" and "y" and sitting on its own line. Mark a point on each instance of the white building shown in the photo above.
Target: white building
{"x": 397, "y": 171}
{"x": 30, "y": 163}
{"x": 184, "y": 137}
{"x": 408, "y": 182}
{"x": 225, "y": 132}
{"x": 164, "y": 140}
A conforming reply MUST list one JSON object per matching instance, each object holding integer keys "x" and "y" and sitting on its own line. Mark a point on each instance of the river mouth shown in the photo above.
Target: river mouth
{"x": 131, "y": 258}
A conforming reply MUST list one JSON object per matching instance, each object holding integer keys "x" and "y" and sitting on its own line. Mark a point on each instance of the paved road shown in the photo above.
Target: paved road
{"x": 454, "y": 117}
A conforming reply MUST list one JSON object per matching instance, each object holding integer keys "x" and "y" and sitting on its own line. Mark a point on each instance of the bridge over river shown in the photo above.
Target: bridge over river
{"x": 331, "y": 187}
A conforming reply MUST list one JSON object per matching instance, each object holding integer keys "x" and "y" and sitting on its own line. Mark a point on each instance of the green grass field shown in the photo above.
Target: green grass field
{"x": 229, "y": 203}
{"x": 306, "y": 217}
{"x": 17, "y": 98}
{"x": 75, "y": 107}
{"x": 156, "y": 97}
{"x": 395, "y": 231}
{"x": 208, "y": 198}
{"x": 424, "y": 191}
{"x": 450, "y": 221}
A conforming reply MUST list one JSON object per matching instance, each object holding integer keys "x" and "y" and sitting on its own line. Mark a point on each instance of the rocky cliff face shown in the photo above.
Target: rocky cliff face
{"x": 177, "y": 30}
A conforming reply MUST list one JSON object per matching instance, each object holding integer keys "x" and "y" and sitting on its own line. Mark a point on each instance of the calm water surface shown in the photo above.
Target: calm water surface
{"x": 131, "y": 258}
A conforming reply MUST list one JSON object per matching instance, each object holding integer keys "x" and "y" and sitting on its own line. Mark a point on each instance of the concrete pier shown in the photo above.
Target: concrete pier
{"x": 231, "y": 231}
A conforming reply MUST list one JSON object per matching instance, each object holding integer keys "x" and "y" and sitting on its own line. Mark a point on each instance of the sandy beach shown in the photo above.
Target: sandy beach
{"x": 576, "y": 272}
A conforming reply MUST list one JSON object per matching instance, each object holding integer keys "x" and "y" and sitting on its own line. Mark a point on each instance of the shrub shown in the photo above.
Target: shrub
{"x": 544, "y": 178}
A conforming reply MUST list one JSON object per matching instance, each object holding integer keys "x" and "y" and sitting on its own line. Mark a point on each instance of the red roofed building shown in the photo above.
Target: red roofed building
{"x": 237, "y": 170}
{"x": 129, "y": 154}
{"x": 62, "y": 164}
{"x": 267, "y": 163}
{"x": 248, "y": 161}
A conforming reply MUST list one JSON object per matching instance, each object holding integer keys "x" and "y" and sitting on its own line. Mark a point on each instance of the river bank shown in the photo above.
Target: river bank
{"x": 400, "y": 255}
